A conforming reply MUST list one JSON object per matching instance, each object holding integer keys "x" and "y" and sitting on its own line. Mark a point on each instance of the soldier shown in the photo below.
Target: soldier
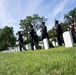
{"x": 20, "y": 39}
{"x": 71, "y": 28}
{"x": 45, "y": 34}
{"x": 44, "y": 31}
{"x": 58, "y": 32}
{"x": 33, "y": 38}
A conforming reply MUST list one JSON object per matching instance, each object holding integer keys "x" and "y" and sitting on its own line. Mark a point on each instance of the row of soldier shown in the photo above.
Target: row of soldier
{"x": 58, "y": 34}
{"x": 58, "y": 31}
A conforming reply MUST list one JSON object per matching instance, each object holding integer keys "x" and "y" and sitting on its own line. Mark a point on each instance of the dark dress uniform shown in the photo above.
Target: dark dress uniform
{"x": 20, "y": 39}
{"x": 44, "y": 32}
{"x": 31, "y": 39}
{"x": 71, "y": 28}
{"x": 45, "y": 35}
{"x": 34, "y": 39}
{"x": 58, "y": 33}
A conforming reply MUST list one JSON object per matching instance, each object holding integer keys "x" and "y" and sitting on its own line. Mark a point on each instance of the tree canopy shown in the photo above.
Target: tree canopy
{"x": 70, "y": 15}
{"x": 7, "y": 37}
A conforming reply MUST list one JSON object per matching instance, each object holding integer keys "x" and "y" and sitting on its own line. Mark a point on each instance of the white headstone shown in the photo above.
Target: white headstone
{"x": 34, "y": 47}
{"x": 57, "y": 44}
{"x": 27, "y": 46}
{"x": 68, "y": 40}
{"x": 54, "y": 43}
{"x": 46, "y": 43}
{"x": 16, "y": 48}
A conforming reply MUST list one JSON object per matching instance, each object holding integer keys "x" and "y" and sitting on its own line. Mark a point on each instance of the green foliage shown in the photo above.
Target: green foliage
{"x": 51, "y": 33}
{"x": 70, "y": 16}
{"x": 4, "y": 45}
{"x": 54, "y": 39}
{"x": 55, "y": 61}
{"x": 39, "y": 38}
{"x": 64, "y": 26}
{"x": 7, "y": 38}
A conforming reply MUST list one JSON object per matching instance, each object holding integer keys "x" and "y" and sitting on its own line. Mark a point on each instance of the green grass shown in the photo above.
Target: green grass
{"x": 55, "y": 61}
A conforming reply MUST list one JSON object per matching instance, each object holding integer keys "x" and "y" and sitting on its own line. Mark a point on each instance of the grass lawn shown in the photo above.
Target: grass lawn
{"x": 55, "y": 61}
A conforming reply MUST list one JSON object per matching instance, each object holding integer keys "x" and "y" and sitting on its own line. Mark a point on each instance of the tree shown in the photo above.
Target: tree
{"x": 64, "y": 26}
{"x": 7, "y": 38}
{"x": 51, "y": 33}
{"x": 70, "y": 16}
{"x": 35, "y": 20}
